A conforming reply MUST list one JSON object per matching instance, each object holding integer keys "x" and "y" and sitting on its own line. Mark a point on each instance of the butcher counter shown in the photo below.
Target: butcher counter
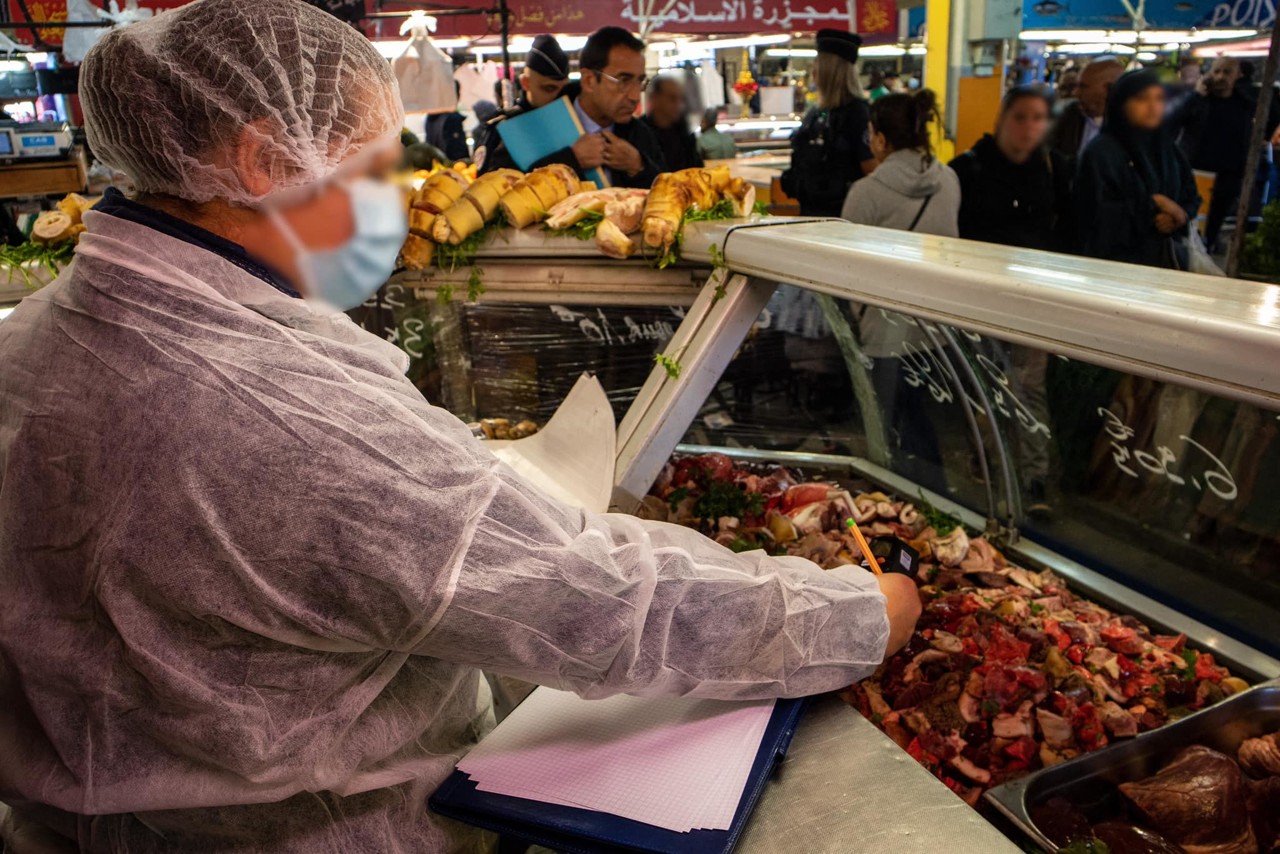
{"x": 1117, "y": 430}
{"x": 845, "y": 786}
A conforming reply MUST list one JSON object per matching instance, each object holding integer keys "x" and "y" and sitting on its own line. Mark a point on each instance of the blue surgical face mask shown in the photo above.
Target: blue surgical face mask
{"x": 347, "y": 275}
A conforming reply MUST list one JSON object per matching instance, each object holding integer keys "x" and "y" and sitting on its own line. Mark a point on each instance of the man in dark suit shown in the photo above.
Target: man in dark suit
{"x": 612, "y": 67}
{"x": 1081, "y": 120}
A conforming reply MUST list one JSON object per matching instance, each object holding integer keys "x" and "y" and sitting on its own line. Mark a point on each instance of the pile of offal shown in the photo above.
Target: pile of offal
{"x": 1007, "y": 672}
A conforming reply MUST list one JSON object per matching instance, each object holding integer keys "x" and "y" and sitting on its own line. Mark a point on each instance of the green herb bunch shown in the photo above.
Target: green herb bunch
{"x": 18, "y": 261}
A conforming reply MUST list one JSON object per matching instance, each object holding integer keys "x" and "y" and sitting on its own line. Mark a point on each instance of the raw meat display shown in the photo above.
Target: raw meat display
{"x": 1264, "y": 812}
{"x": 1121, "y": 837}
{"x": 1201, "y": 802}
{"x": 1007, "y": 672}
{"x": 1197, "y": 801}
{"x": 1261, "y": 756}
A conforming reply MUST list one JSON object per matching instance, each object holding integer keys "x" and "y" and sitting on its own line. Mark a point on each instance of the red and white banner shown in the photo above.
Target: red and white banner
{"x": 685, "y": 17}
{"x": 656, "y": 17}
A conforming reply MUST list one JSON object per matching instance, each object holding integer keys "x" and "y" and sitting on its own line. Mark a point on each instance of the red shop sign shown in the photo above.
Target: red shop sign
{"x": 693, "y": 17}
{"x": 48, "y": 11}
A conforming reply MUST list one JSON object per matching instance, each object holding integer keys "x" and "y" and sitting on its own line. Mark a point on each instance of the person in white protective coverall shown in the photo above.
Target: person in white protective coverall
{"x": 249, "y": 576}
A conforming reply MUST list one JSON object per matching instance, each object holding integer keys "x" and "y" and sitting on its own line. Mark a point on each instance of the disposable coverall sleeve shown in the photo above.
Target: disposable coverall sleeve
{"x": 605, "y": 604}
{"x": 384, "y": 530}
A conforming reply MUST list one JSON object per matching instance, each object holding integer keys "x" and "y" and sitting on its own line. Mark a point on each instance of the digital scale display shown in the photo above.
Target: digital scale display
{"x": 39, "y": 142}
{"x": 33, "y": 140}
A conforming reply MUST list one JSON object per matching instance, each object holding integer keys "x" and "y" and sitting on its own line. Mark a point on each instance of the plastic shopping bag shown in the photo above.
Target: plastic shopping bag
{"x": 1198, "y": 258}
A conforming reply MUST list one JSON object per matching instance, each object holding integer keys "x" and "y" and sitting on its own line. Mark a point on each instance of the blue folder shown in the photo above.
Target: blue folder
{"x": 534, "y": 134}
{"x": 579, "y": 831}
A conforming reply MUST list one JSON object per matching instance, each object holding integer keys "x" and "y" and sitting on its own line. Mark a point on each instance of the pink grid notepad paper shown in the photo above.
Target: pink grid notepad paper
{"x": 672, "y": 762}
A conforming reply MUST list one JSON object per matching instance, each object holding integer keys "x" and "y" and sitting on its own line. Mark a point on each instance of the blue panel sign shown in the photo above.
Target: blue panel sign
{"x": 1160, "y": 14}
{"x": 1243, "y": 14}
{"x": 39, "y": 141}
{"x": 915, "y": 22}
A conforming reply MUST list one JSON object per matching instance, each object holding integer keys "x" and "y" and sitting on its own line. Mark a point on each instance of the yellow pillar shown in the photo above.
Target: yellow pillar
{"x": 937, "y": 18}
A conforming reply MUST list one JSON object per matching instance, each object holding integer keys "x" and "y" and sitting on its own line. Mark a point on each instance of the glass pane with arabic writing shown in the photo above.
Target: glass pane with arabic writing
{"x": 518, "y": 361}
{"x": 1165, "y": 488}
{"x": 830, "y": 377}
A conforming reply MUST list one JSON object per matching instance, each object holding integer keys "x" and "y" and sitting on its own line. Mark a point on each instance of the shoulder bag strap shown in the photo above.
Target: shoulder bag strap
{"x": 920, "y": 213}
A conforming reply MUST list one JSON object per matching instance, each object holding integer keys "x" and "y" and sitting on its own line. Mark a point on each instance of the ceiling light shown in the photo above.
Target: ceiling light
{"x": 881, "y": 51}
{"x": 393, "y": 49}
{"x": 1092, "y": 49}
{"x": 1132, "y": 36}
{"x": 748, "y": 41}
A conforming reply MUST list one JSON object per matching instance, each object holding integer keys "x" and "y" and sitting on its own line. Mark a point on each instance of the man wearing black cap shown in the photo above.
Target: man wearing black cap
{"x": 613, "y": 77}
{"x": 831, "y": 149}
{"x": 544, "y": 78}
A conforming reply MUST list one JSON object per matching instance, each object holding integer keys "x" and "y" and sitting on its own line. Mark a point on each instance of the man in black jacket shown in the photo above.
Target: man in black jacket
{"x": 669, "y": 122}
{"x": 544, "y": 78}
{"x": 612, "y": 66}
{"x": 1212, "y": 128}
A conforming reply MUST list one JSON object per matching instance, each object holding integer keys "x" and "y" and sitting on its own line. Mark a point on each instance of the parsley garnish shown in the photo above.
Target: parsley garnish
{"x": 941, "y": 523}
{"x": 475, "y": 284}
{"x": 583, "y": 229}
{"x": 15, "y": 259}
{"x": 677, "y": 496}
{"x": 670, "y": 365}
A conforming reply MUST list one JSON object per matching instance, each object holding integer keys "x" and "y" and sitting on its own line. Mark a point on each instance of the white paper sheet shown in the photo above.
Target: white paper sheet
{"x": 572, "y": 457}
{"x": 672, "y": 762}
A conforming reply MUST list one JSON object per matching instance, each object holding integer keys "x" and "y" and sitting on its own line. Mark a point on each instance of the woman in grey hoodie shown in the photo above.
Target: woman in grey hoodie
{"x": 910, "y": 190}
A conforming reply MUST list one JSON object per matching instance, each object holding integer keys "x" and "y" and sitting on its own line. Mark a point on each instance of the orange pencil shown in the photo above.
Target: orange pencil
{"x": 865, "y": 547}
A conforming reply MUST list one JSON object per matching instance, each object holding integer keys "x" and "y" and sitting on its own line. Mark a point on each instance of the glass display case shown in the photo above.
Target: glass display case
{"x": 1090, "y": 417}
{"x": 761, "y": 135}
{"x": 1108, "y": 421}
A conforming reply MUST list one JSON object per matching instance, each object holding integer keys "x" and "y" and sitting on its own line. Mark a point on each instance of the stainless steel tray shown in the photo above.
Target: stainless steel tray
{"x": 1246, "y": 715}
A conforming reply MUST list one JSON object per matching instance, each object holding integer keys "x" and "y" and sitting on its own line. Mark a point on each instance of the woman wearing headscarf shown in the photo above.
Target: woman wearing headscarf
{"x": 1135, "y": 193}
{"x": 248, "y": 574}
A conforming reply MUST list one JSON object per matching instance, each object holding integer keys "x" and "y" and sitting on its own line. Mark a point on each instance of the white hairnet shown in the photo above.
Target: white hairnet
{"x": 168, "y": 100}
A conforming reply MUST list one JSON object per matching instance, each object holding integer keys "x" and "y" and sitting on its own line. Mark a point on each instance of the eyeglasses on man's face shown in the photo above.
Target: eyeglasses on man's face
{"x": 626, "y": 82}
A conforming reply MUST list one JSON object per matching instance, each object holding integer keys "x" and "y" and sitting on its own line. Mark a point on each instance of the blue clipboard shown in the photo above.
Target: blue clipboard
{"x": 534, "y": 134}
{"x": 578, "y": 831}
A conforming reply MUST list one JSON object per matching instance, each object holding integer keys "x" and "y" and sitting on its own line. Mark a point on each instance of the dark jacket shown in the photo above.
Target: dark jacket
{"x": 1066, "y": 133}
{"x": 679, "y": 145}
{"x": 446, "y": 132}
{"x": 1213, "y": 132}
{"x": 827, "y": 152}
{"x": 489, "y": 151}
{"x": 1119, "y": 172}
{"x": 635, "y": 132}
{"x": 1027, "y": 204}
